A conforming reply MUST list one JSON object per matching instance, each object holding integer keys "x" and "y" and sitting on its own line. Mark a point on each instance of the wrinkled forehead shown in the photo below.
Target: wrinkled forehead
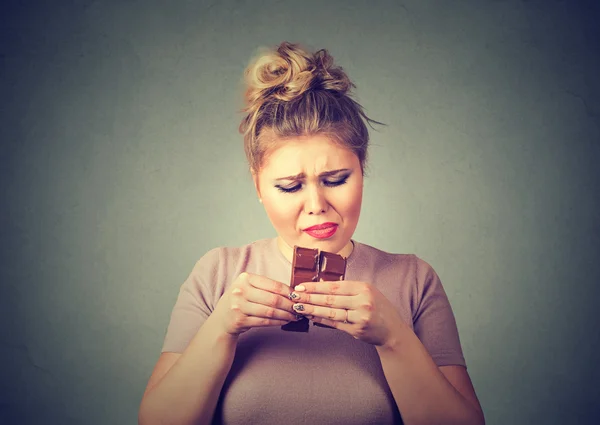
{"x": 309, "y": 155}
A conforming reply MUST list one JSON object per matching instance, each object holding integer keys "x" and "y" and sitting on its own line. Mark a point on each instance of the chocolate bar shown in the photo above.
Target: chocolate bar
{"x": 310, "y": 265}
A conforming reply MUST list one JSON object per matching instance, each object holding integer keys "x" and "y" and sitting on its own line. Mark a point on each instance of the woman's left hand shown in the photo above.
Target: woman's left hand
{"x": 371, "y": 316}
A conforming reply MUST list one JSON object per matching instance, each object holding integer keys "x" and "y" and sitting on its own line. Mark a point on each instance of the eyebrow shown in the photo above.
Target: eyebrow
{"x": 323, "y": 174}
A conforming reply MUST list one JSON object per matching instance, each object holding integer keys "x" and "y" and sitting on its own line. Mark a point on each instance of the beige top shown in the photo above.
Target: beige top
{"x": 336, "y": 379}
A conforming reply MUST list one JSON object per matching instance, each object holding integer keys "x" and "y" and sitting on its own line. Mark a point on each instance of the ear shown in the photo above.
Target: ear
{"x": 256, "y": 183}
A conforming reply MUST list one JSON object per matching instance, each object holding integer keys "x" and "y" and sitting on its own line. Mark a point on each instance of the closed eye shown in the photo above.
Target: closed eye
{"x": 335, "y": 183}
{"x": 328, "y": 183}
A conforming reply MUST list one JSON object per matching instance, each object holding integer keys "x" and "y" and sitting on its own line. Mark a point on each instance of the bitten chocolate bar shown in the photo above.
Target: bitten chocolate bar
{"x": 310, "y": 265}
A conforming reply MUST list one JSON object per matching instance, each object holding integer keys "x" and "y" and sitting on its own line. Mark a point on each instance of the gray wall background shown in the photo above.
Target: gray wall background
{"x": 121, "y": 165}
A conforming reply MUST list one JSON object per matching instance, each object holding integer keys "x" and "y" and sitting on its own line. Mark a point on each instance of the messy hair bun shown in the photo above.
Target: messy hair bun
{"x": 289, "y": 72}
{"x": 290, "y": 93}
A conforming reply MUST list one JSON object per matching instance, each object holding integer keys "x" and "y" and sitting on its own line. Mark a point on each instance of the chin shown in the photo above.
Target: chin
{"x": 333, "y": 244}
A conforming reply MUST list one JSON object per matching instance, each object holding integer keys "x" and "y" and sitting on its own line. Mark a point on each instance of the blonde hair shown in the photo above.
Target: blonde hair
{"x": 293, "y": 93}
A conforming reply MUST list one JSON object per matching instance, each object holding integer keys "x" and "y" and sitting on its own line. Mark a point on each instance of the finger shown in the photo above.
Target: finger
{"x": 269, "y": 299}
{"x": 335, "y": 314}
{"x": 265, "y": 284}
{"x": 326, "y": 300}
{"x": 339, "y": 287}
{"x": 260, "y": 310}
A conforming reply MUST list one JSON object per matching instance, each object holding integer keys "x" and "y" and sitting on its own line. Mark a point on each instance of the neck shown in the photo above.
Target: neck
{"x": 288, "y": 251}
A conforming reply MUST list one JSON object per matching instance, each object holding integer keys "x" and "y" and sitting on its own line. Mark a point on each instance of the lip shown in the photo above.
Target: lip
{"x": 321, "y": 226}
{"x": 322, "y": 231}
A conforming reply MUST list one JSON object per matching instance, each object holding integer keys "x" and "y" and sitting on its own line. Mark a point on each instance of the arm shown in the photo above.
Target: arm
{"x": 424, "y": 393}
{"x": 185, "y": 389}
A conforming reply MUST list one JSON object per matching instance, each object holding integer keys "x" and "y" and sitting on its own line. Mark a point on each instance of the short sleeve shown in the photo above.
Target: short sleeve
{"x": 434, "y": 322}
{"x": 194, "y": 304}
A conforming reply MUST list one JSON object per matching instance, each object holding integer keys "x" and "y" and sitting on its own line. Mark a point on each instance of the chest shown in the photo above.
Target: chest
{"x": 324, "y": 376}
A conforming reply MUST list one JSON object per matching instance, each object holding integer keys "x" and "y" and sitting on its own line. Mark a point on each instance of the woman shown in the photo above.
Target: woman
{"x": 394, "y": 355}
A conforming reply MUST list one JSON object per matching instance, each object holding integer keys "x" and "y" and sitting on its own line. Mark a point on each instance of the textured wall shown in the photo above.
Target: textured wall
{"x": 121, "y": 165}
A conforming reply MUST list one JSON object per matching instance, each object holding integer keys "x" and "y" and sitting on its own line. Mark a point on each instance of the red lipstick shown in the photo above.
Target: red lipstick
{"x": 322, "y": 231}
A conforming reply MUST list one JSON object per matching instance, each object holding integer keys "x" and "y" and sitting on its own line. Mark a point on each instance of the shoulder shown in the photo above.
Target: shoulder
{"x": 407, "y": 267}
{"x": 381, "y": 259}
{"x": 234, "y": 253}
{"x": 224, "y": 258}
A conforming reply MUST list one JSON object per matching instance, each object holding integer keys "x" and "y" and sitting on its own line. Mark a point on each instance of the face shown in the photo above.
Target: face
{"x": 311, "y": 181}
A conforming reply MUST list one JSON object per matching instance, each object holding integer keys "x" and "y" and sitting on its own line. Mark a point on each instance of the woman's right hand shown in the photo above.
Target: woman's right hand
{"x": 254, "y": 301}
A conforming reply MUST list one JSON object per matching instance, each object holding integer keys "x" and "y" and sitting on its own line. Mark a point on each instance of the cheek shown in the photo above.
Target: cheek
{"x": 279, "y": 209}
{"x": 350, "y": 201}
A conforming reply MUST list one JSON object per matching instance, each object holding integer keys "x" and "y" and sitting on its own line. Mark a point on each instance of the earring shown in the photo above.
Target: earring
{"x": 260, "y": 200}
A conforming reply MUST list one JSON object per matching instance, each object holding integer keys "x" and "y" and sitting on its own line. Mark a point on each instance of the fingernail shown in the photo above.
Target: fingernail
{"x": 299, "y": 288}
{"x": 293, "y": 296}
{"x": 298, "y": 307}
{"x": 299, "y": 317}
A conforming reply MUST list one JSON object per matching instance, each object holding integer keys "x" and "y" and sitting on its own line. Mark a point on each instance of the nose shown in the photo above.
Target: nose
{"x": 316, "y": 203}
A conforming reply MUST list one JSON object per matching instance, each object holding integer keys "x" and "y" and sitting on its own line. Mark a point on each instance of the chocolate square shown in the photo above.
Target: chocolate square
{"x": 331, "y": 266}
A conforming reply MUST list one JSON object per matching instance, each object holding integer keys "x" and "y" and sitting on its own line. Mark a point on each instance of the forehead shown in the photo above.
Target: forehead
{"x": 311, "y": 155}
